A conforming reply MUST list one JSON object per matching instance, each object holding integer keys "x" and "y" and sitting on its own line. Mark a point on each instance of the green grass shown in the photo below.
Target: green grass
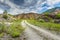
{"x": 15, "y": 29}
{"x": 2, "y": 30}
{"x": 46, "y": 25}
{"x": 1, "y": 35}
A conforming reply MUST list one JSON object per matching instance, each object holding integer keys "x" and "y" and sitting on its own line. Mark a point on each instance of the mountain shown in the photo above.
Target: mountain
{"x": 52, "y": 13}
{"x": 53, "y": 10}
{"x": 27, "y": 16}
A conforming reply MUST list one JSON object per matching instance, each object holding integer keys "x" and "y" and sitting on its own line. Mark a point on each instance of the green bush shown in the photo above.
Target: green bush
{"x": 1, "y": 27}
{"x": 58, "y": 15}
{"x": 1, "y": 35}
{"x": 46, "y": 14}
{"x": 15, "y": 30}
{"x": 41, "y": 20}
{"x": 5, "y": 15}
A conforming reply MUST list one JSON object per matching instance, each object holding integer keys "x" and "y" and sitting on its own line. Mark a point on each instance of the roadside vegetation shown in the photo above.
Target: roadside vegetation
{"x": 14, "y": 29}
{"x": 53, "y": 27}
{"x": 48, "y": 22}
{"x": 10, "y": 25}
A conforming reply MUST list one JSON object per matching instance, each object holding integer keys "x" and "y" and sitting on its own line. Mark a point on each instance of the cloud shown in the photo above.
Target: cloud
{"x": 1, "y": 0}
{"x": 37, "y": 6}
{"x": 1, "y": 11}
{"x": 52, "y": 2}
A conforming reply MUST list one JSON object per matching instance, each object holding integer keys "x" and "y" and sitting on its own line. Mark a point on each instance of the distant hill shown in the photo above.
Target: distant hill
{"x": 27, "y": 16}
{"x": 52, "y": 13}
{"x": 53, "y": 10}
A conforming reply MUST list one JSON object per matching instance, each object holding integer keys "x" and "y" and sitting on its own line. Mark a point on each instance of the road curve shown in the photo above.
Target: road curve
{"x": 30, "y": 34}
{"x": 34, "y": 33}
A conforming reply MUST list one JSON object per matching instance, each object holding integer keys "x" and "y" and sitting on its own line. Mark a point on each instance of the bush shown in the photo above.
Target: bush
{"x": 5, "y": 16}
{"x": 15, "y": 30}
{"x": 1, "y": 35}
{"x": 58, "y": 15}
{"x": 46, "y": 14}
{"x": 47, "y": 19}
{"x": 41, "y": 20}
{"x": 1, "y": 28}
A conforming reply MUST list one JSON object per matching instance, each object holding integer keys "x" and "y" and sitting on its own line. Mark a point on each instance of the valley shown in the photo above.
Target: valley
{"x": 30, "y": 26}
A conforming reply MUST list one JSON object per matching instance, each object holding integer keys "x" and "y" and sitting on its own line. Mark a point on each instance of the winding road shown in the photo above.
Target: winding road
{"x": 36, "y": 33}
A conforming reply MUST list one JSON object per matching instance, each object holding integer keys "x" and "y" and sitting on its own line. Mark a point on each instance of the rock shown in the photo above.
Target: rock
{"x": 57, "y": 21}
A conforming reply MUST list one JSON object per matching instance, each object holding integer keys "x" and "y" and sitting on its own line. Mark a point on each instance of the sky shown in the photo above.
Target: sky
{"x": 25, "y": 6}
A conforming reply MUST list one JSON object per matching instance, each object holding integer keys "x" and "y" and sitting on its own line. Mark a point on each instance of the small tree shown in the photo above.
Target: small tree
{"x": 5, "y": 15}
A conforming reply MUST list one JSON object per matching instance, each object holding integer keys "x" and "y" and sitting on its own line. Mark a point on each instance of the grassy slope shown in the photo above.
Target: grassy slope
{"x": 14, "y": 29}
{"x": 46, "y": 25}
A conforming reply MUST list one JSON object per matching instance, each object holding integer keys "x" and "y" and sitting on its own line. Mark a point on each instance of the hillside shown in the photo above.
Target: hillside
{"x": 51, "y": 13}
{"x": 27, "y": 16}
{"x": 53, "y": 10}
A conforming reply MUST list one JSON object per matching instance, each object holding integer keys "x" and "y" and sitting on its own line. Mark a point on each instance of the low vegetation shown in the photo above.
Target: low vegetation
{"x": 14, "y": 29}
{"x": 10, "y": 25}
{"x": 46, "y": 25}
{"x": 5, "y": 15}
{"x": 1, "y": 35}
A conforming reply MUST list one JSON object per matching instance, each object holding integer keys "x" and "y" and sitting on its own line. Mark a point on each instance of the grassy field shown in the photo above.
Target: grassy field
{"x": 46, "y": 25}
{"x": 14, "y": 29}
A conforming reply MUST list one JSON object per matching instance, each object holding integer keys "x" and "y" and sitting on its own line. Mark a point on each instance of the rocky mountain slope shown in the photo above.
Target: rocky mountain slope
{"x": 27, "y": 16}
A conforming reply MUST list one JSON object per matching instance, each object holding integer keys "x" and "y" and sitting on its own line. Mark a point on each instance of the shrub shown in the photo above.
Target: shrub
{"x": 41, "y": 20}
{"x": 1, "y": 28}
{"x": 47, "y": 19}
{"x": 5, "y": 16}
{"x": 58, "y": 15}
{"x": 46, "y": 14}
{"x": 15, "y": 30}
{"x": 1, "y": 35}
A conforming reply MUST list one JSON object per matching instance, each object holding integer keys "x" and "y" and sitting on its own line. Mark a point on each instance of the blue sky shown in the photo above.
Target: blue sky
{"x": 26, "y": 6}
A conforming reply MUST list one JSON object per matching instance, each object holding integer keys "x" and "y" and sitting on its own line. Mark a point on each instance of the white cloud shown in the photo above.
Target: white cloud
{"x": 52, "y": 2}
{"x": 50, "y": 7}
{"x": 1, "y": 0}
{"x": 28, "y": 1}
{"x": 15, "y": 9}
{"x": 1, "y": 11}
